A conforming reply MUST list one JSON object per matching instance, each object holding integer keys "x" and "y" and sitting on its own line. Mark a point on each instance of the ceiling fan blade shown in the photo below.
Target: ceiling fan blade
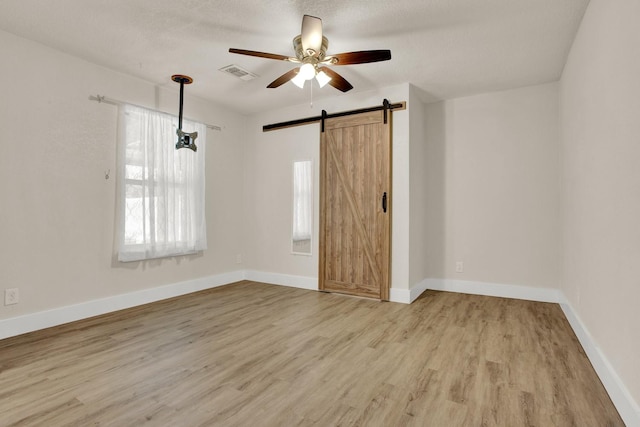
{"x": 361, "y": 57}
{"x": 283, "y": 78}
{"x": 311, "y": 35}
{"x": 262, "y": 54}
{"x": 337, "y": 80}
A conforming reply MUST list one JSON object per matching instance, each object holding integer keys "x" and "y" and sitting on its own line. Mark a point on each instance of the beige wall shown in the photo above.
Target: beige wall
{"x": 492, "y": 188}
{"x": 419, "y": 204}
{"x": 475, "y": 179}
{"x": 268, "y": 159}
{"x": 600, "y": 116}
{"x": 56, "y": 208}
{"x": 58, "y": 221}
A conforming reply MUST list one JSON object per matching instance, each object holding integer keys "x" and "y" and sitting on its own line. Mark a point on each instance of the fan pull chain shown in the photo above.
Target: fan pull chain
{"x": 311, "y": 102}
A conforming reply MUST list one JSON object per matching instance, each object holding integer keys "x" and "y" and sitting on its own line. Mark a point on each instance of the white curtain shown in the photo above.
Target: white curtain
{"x": 162, "y": 190}
{"x": 302, "y": 200}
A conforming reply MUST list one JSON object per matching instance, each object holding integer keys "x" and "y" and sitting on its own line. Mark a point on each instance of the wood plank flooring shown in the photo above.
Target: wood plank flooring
{"x": 251, "y": 354}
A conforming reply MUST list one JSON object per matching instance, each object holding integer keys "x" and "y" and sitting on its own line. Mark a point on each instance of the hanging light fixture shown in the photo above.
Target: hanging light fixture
{"x": 322, "y": 78}
{"x": 185, "y": 139}
{"x": 308, "y": 72}
{"x": 298, "y": 80}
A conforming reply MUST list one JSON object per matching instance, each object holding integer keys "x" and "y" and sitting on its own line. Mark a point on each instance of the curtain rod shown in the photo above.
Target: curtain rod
{"x": 103, "y": 99}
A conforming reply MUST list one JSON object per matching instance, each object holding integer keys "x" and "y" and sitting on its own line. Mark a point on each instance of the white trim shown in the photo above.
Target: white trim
{"x": 407, "y": 296}
{"x": 400, "y": 295}
{"x": 311, "y": 283}
{"x": 493, "y": 289}
{"x": 58, "y": 316}
{"x": 404, "y": 296}
{"x": 622, "y": 399}
{"x": 418, "y": 289}
{"x": 302, "y": 282}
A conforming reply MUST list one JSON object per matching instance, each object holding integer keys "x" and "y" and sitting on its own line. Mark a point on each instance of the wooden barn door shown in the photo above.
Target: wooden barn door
{"x": 355, "y": 205}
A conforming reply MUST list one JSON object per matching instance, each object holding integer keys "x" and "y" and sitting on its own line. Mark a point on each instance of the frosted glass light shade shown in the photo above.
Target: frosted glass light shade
{"x": 307, "y": 71}
{"x": 299, "y": 80}
{"x": 322, "y": 78}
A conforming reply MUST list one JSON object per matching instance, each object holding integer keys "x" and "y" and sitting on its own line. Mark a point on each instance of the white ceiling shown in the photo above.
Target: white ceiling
{"x": 447, "y": 48}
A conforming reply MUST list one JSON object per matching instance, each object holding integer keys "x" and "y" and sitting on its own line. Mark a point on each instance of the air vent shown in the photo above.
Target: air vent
{"x": 238, "y": 72}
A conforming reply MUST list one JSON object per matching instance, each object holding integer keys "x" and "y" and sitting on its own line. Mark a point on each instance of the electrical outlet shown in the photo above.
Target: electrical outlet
{"x": 11, "y": 296}
{"x": 459, "y": 266}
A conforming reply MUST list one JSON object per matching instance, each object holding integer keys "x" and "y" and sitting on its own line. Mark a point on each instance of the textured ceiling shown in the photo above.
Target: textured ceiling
{"x": 447, "y": 48}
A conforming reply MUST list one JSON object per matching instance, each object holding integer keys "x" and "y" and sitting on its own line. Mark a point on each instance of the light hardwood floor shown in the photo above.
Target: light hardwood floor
{"x": 251, "y": 354}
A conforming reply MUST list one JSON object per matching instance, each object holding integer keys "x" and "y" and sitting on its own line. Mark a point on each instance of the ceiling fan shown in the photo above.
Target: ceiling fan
{"x": 311, "y": 48}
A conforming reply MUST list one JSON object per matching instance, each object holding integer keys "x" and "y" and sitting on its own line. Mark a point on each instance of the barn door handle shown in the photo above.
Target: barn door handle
{"x": 384, "y": 202}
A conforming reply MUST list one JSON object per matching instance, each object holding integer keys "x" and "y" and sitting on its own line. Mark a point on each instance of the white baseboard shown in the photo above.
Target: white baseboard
{"x": 491, "y": 289}
{"x": 302, "y": 282}
{"x": 311, "y": 283}
{"x": 407, "y": 296}
{"x": 58, "y": 316}
{"x": 622, "y": 399}
{"x": 400, "y": 295}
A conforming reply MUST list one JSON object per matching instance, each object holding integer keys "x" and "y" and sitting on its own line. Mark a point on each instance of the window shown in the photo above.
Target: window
{"x": 161, "y": 188}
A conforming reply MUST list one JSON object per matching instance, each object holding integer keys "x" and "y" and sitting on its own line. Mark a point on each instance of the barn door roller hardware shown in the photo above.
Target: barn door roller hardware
{"x": 185, "y": 139}
{"x": 386, "y": 106}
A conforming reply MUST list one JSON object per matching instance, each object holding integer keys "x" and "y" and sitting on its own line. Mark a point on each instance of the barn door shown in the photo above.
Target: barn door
{"x": 355, "y": 205}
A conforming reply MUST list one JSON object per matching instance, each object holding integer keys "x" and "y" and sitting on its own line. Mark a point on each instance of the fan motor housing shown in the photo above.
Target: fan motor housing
{"x": 301, "y": 55}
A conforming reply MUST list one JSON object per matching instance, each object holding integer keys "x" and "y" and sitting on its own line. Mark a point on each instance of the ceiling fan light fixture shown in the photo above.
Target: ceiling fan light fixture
{"x": 322, "y": 78}
{"x": 307, "y": 71}
{"x": 310, "y": 48}
{"x": 299, "y": 80}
